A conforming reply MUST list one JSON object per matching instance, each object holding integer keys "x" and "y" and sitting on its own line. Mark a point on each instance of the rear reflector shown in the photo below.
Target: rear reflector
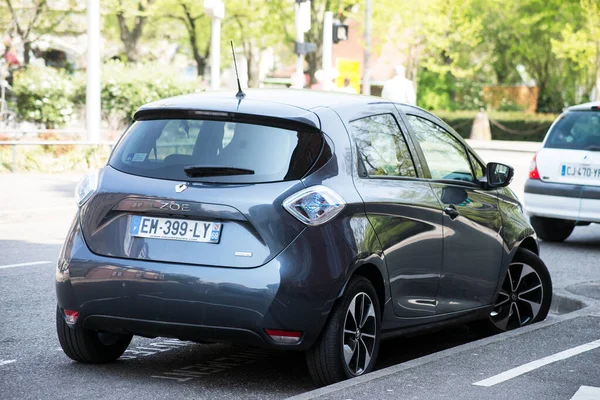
{"x": 71, "y": 316}
{"x": 288, "y": 337}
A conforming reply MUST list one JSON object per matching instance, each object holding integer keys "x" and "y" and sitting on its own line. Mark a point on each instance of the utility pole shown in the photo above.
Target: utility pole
{"x": 366, "y": 79}
{"x": 327, "y": 49}
{"x": 92, "y": 92}
{"x": 302, "y": 20}
{"x": 216, "y": 10}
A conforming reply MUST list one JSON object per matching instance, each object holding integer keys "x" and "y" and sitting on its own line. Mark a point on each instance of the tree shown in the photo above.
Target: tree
{"x": 130, "y": 18}
{"x": 256, "y": 25}
{"x": 33, "y": 19}
{"x": 315, "y": 34}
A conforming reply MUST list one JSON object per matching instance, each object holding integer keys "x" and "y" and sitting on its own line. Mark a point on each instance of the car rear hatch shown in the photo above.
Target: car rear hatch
{"x": 202, "y": 188}
{"x": 571, "y": 152}
{"x": 571, "y": 155}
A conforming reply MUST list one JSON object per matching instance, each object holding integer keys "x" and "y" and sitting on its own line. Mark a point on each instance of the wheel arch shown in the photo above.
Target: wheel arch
{"x": 373, "y": 272}
{"x": 529, "y": 243}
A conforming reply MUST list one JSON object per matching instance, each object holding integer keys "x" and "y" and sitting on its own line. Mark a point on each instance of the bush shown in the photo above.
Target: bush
{"x": 44, "y": 96}
{"x": 44, "y": 158}
{"x": 51, "y": 97}
{"x": 513, "y": 125}
{"x": 126, "y": 87}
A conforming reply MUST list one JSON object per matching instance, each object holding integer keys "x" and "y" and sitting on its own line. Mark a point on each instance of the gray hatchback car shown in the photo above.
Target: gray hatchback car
{"x": 294, "y": 220}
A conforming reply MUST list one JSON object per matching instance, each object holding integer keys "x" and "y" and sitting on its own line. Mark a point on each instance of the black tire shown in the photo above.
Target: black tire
{"x": 526, "y": 305}
{"x": 551, "y": 229}
{"x": 325, "y": 359}
{"x": 89, "y": 346}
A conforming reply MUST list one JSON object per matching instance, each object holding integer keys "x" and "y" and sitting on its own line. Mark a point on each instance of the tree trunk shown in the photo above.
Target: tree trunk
{"x": 191, "y": 28}
{"x": 26, "y": 51}
{"x": 131, "y": 37}
{"x": 251, "y": 63}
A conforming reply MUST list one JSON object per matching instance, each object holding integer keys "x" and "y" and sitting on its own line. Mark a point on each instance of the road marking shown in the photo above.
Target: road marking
{"x": 512, "y": 373}
{"x": 587, "y": 393}
{"x": 25, "y": 264}
{"x": 4, "y": 362}
{"x": 36, "y": 210}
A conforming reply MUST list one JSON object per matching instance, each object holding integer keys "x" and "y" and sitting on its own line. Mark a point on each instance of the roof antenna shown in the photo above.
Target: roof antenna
{"x": 240, "y": 94}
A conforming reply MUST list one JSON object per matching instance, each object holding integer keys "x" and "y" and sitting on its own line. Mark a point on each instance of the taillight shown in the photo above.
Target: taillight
{"x": 86, "y": 187}
{"x": 287, "y": 337}
{"x": 533, "y": 170}
{"x": 315, "y": 205}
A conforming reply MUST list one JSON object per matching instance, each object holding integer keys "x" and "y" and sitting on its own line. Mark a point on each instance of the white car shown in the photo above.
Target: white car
{"x": 563, "y": 189}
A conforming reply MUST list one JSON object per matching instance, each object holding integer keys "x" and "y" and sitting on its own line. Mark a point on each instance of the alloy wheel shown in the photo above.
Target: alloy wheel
{"x": 520, "y": 298}
{"x": 360, "y": 327}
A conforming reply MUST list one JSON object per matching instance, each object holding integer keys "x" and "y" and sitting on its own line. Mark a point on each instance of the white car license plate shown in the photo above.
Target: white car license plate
{"x": 591, "y": 172}
{"x": 175, "y": 229}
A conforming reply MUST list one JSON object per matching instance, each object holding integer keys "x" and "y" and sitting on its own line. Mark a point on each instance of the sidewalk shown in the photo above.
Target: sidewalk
{"x": 549, "y": 360}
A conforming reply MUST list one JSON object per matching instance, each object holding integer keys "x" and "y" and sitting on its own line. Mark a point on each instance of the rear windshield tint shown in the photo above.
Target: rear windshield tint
{"x": 163, "y": 148}
{"x": 576, "y": 130}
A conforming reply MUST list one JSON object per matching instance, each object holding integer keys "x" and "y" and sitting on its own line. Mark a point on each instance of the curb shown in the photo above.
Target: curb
{"x": 564, "y": 302}
{"x": 561, "y": 301}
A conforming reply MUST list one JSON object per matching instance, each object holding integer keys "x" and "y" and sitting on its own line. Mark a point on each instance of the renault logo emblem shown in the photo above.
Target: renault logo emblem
{"x": 181, "y": 187}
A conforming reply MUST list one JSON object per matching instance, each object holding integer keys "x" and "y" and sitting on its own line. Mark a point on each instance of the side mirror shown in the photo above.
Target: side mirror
{"x": 498, "y": 175}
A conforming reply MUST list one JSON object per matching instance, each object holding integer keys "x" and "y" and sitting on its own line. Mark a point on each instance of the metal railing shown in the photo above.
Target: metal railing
{"x": 15, "y": 143}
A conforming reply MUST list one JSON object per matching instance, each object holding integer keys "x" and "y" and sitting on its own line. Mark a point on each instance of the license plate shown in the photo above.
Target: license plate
{"x": 175, "y": 229}
{"x": 581, "y": 171}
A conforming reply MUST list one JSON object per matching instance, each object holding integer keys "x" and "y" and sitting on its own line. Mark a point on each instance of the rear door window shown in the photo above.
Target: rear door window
{"x": 164, "y": 148}
{"x": 382, "y": 148}
{"x": 576, "y": 130}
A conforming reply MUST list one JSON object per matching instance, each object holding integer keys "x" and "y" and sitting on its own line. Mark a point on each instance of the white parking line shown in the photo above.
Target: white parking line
{"x": 523, "y": 369}
{"x": 587, "y": 393}
{"x": 4, "y": 362}
{"x": 25, "y": 264}
{"x": 35, "y": 210}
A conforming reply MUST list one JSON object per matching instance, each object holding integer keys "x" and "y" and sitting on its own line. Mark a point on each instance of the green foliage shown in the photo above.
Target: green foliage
{"x": 45, "y": 96}
{"x": 126, "y": 87}
{"x": 44, "y": 158}
{"x": 442, "y": 91}
{"x": 531, "y": 127}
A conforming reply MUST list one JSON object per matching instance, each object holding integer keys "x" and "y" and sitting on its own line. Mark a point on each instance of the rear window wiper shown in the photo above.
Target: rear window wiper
{"x": 593, "y": 147}
{"x": 198, "y": 171}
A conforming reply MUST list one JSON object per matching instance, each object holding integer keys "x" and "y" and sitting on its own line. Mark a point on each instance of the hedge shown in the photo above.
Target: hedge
{"x": 525, "y": 126}
{"x": 50, "y": 97}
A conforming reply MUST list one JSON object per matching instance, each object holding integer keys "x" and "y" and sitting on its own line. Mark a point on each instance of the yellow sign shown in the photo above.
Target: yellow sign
{"x": 348, "y": 69}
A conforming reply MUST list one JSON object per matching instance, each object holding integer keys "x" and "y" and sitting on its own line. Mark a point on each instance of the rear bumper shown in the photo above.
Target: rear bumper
{"x": 294, "y": 291}
{"x": 562, "y": 201}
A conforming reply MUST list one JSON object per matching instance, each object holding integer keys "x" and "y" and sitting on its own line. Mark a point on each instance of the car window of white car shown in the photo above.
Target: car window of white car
{"x": 446, "y": 157}
{"x": 382, "y": 148}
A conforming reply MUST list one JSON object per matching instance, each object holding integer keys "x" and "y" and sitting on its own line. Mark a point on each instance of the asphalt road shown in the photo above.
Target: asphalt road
{"x": 35, "y": 213}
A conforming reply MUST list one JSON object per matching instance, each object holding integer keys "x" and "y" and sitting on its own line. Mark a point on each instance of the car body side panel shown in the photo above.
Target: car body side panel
{"x": 406, "y": 217}
{"x": 352, "y": 222}
{"x": 472, "y": 247}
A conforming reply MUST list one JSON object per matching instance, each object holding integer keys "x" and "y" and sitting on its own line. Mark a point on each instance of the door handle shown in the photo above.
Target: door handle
{"x": 452, "y": 212}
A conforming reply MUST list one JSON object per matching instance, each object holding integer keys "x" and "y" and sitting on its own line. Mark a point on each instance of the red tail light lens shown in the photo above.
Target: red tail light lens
{"x": 71, "y": 316}
{"x": 287, "y": 337}
{"x": 533, "y": 170}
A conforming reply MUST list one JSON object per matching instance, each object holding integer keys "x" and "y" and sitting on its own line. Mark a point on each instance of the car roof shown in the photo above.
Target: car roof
{"x": 585, "y": 106}
{"x": 299, "y": 98}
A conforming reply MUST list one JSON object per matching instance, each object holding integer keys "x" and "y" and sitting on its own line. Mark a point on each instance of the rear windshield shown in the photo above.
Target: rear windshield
{"x": 576, "y": 130}
{"x": 164, "y": 148}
